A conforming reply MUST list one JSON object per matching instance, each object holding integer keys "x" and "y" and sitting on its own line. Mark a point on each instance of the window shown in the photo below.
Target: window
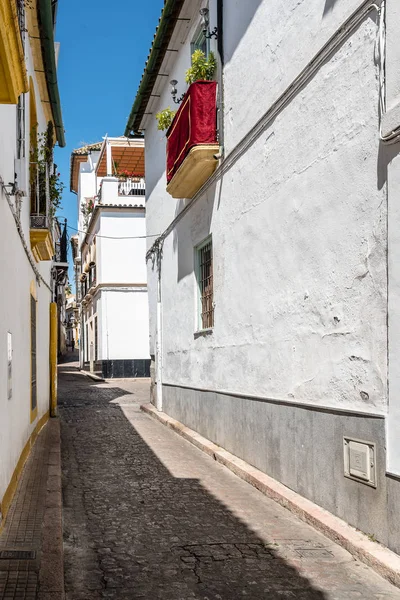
{"x": 33, "y": 355}
{"x": 87, "y": 343}
{"x": 204, "y": 270}
{"x": 200, "y": 42}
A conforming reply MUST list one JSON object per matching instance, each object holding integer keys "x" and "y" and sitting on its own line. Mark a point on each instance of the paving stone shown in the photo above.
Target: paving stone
{"x": 147, "y": 515}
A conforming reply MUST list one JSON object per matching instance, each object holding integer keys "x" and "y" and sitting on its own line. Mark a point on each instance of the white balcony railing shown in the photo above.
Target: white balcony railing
{"x": 131, "y": 187}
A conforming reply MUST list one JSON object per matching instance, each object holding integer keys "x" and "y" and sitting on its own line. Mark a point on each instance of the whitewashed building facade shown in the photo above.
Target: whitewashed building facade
{"x": 274, "y": 312}
{"x": 114, "y": 333}
{"x": 30, "y": 117}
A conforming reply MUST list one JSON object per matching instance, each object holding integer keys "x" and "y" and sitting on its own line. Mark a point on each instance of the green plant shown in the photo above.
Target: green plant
{"x": 202, "y": 67}
{"x": 164, "y": 118}
{"x": 87, "y": 207}
{"x": 56, "y": 188}
{"x": 44, "y": 171}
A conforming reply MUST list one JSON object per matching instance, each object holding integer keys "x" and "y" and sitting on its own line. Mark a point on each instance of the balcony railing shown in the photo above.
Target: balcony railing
{"x": 41, "y": 221}
{"x": 132, "y": 187}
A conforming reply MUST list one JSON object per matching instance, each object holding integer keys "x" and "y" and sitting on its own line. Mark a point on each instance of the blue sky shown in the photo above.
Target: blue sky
{"x": 104, "y": 46}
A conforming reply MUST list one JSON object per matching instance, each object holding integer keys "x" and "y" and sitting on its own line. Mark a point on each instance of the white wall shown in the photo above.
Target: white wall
{"x": 123, "y": 260}
{"x": 124, "y": 324}
{"x": 298, "y": 223}
{"x": 391, "y": 158}
{"x": 16, "y": 279}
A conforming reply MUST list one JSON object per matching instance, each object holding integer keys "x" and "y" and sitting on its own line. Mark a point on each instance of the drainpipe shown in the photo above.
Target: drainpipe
{"x": 220, "y": 25}
{"x": 46, "y": 28}
{"x": 220, "y": 46}
{"x": 159, "y": 358}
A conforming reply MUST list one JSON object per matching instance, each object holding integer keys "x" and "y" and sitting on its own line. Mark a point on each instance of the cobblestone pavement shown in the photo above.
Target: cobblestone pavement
{"x": 147, "y": 515}
{"x": 30, "y": 527}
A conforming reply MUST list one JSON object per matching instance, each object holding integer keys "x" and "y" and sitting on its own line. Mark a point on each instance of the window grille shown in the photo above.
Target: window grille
{"x": 205, "y": 284}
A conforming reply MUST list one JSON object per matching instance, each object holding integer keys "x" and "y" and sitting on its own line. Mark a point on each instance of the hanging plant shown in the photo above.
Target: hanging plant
{"x": 87, "y": 208}
{"x": 44, "y": 172}
{"x": 56, "y": 189}
{"x": 165, "y": 118}
{"x": 202, "y": 68}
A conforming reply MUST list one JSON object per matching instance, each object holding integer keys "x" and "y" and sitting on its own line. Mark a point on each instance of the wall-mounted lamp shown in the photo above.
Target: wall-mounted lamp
{"x": 205, "y": 21}
{"x": 174, "y": 92}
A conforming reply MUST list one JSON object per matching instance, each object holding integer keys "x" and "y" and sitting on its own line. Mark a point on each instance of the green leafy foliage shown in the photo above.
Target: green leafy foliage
{"x": 202, "y": 67}
{"x": 41, "y": 159}
{"x": 164, "y": 118}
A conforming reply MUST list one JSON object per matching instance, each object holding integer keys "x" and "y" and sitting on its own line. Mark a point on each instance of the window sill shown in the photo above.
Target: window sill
{"x": 203, "y": 333}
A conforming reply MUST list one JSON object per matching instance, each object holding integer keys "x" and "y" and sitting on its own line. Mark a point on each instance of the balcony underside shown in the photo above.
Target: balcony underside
{"x": 197, "y": 167}
{"x": 41, "y": 244}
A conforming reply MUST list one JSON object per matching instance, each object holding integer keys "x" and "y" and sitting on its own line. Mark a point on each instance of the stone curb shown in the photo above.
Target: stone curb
{"x": 91, "y": 375}
{"x": 381, "y": 559}
{"x": 51, "y": 574}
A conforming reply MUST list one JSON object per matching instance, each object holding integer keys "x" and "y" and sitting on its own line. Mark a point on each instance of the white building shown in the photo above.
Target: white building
{"x": 108, "y": 179}
{"x": 72, "y": 322}
{"x": 274, "y": 320}
{"x": 30, "y": 124}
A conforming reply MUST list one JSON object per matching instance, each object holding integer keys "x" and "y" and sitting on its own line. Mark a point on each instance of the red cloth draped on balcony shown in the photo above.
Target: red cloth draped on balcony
{"x": 194, "y": 124}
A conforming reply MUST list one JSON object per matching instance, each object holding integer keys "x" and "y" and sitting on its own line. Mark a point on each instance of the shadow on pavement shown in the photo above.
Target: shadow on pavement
{"x": 132, "y": 530}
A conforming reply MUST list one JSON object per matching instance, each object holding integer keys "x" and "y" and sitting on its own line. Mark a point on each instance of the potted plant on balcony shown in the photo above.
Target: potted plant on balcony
{"x": 43, "y": 172}
{"x": 202, "y": 69}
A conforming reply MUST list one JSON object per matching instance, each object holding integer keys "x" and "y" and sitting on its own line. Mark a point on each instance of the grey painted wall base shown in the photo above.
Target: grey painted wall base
{"x": 301, "y": 447}
{"x": 120, "y": 368}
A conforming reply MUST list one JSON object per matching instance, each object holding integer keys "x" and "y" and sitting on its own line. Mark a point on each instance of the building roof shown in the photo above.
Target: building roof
{"x": 79, "y": 156}
{"x": 127, "y": 155}
{"x": 171, "y": 18}
{"x": 40, "y": 25}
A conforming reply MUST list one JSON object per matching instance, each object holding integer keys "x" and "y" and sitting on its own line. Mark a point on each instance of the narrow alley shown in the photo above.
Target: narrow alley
{"x": 147, "y": 515}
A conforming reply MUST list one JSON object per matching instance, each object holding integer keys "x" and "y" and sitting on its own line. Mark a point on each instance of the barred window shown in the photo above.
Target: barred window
{"x": 205, "y": 284}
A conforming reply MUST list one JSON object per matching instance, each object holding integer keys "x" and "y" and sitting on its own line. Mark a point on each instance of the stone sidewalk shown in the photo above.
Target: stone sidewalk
{"x": 147, "y": 515}
{"x": 34, "y": 526}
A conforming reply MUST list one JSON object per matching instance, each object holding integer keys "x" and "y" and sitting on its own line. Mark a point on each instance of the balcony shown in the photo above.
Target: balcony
{"x": 41, "y": 223}
{"x": 192, "y": 141}
{"x": 131, "y": 187}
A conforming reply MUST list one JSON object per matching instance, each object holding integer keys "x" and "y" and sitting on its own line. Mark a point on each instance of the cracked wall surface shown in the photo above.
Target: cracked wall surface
{"x": 299, "y": 242}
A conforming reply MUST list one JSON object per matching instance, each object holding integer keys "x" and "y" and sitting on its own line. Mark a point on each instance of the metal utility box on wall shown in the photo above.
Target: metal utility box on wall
{"x": 360, "y": 461}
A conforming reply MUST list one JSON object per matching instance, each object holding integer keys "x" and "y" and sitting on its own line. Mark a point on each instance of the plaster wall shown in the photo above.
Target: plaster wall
{"x": 123, "y": 260}
{"x": 297, "y": 357}
{"x": 299, "y": 245}
{"x": 124, "y": 324}
{"x": 17, "y": 279}
{"x": 391, "y": 121}
{"x": 278, "y": 40}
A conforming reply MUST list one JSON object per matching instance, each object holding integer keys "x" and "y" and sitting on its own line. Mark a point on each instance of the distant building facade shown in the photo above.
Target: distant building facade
{"x": 110, "y": 263}
{"x": 274, "y": 313}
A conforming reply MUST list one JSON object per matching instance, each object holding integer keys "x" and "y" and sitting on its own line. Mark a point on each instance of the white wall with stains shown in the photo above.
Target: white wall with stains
{"x": 298, "y": 222}
{"x": 298, "y": 355}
